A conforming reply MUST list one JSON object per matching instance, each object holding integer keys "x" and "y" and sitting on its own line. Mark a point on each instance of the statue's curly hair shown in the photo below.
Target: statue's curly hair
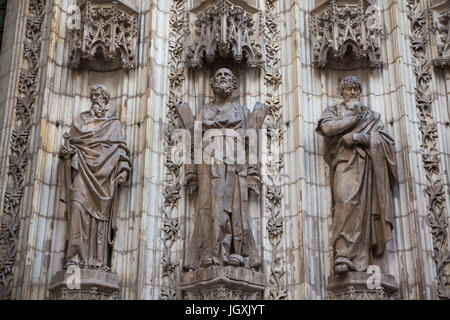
{"x": 351, "y": 81}
{"x": 102, "y": 90}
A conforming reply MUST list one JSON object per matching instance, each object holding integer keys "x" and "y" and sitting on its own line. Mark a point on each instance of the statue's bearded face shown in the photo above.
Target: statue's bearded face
{"x": 99, "y": 101}
{"x": 351, "y": 92}
{"x": 224, "y": 82}
{"x": 350, "y": 88}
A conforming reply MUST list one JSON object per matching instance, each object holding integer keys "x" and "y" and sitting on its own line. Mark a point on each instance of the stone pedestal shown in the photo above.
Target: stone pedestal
{"x": 358, "y": 286}
{"x": 82, "y": 284}
{"x": 222, "y": 283}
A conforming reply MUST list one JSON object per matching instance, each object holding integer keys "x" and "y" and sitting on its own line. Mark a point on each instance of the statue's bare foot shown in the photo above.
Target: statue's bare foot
{"x": 70, "y": 264}
{"x": 341, "y": 268}
{"x": 236, "y": 260}
{"x": 207, "y": 262}
{"x": 75, "y": 261}
{"x": 343, "y": 264}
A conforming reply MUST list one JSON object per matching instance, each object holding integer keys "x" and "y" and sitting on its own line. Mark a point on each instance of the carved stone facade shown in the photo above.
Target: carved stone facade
{"x": 103, "y": 35}
{"x": 156, "y": 58}
{"x": 347, "y": 31}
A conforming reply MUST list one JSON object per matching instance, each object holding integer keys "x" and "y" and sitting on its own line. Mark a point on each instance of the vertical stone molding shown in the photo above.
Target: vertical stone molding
{"x": 440, "y": 41}
{"x": 435, "y": 188}
{"x": 103, "y": 36}
{"x": 223, "y": 29}
{"x": 276, "y": 289}
{"x": 347, "y": 32}
{"x": 172, "y": 182}
{"x": 20, "y": 145}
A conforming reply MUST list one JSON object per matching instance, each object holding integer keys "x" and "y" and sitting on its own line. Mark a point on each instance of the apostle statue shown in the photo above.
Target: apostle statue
{"x": 361, "y": 156}
{"x": 222, "y": 234}
{"x": 96, "y": 164}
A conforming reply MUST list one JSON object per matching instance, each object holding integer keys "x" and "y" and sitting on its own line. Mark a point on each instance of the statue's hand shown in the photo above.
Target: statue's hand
{"x": 348, "y": 140}
{"x": 67, "y": 152}
{"x": 122, "y": 178}
{"x": 360, "y": 110}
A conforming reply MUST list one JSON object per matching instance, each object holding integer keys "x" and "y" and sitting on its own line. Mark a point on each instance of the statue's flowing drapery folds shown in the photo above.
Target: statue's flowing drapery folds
{"x": 222, "y": 228}
{"x": 100, "y": 156}
{"x": 362, "y": 177}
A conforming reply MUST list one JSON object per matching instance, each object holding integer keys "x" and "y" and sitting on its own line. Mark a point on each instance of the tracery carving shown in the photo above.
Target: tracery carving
{"x": 346, "y": 31}
{"x": 435, "y": 189}
{"x": 106, "y": 39}
{"x": 440, "y": 41}
{"x": 225, "y": 30}
{"x": 20, "y": 145}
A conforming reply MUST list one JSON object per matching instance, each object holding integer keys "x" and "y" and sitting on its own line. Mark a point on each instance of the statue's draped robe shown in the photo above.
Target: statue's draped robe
{"x": 101, "y": 155}
{"x": 221, "y": 226}
{"x": 361, "y": 178}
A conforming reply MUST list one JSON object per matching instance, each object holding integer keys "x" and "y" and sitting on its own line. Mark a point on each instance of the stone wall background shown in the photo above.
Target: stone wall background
{"x": 140, "y": 97}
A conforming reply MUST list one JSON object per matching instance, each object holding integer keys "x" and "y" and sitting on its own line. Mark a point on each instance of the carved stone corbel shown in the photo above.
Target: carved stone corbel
{"x": 105, "y": 37}
{"x": 347, "y": 31}
{"x": 225, "y": 28}
{"x": 440, "y": 26}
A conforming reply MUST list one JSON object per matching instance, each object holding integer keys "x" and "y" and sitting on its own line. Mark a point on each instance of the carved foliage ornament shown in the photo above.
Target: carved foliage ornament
{"x": 106, "y": 37}
{"x": 276, "y": 289}
{"x": 20, "y": 136}
{"x": 435, "y": 189}
{"x": 172, "y": 186}
{"x": 440, "y": 26}
{"x": 225, "y": 30}
{"x": 341, "y": 29}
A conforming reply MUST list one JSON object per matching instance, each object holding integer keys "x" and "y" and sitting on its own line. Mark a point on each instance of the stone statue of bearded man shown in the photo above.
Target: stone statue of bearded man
{"x": 361, "y": 156}
{"x": 222, "y": 235}
{"x": 97, "y": 164}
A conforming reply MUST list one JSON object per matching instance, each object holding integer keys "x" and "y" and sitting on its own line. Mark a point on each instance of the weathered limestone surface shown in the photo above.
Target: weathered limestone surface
{"x": 140, "y": 100}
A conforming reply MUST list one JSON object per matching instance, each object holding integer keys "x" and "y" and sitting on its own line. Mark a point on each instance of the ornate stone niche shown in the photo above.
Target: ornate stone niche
{"x": 105, "y": 39}
{"x": 440, "y": 25}
{"x": 224, "y": 29}
{"x": 347, "y": 32}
